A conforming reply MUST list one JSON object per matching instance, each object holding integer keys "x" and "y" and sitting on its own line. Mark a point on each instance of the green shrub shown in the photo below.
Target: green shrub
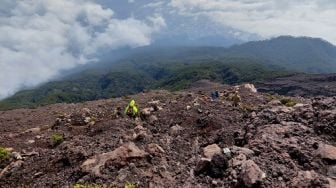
{"x": 288, "y": 102}
{"x": 78, "y": 185}
{"x": 130, "y": 185}
{"x": 4, "y": 155}
{"x": 56, "y": 139}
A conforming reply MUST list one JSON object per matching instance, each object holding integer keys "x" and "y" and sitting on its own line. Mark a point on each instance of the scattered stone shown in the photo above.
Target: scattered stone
{"x": 240, "y": 150}
{"x": 176, "y": 129}
{"x": 253, "y": 115}
{"x": 38, "y": 136}
{"x": 78, "y": 118}
{"x": 155, "y": 149}
{"x": 12, "y": 166}
{"x": 300, "y": 105}
{"x": 211, "y": 150}
{"x": 332, "y": 171}
{"x": 227, "y": 151}
{"x": 86, "y": 111}
{"x": 153, "y": 119}
{"x": 33, "y": 130}
{"x": 188, "y": 107}
{"x": 87, "y": 120}
{"x": 275, "y": 103}
{"x": 17, "y": 155}
{"x": 202, "y": 166}
{"x": 141, "y": 135}
{"x": 327, "y": 152}
{"x": 31, "y": 141}
{"x": 238, "y": 160}
{"x": 155, "y": 105}
{"x": 157, "y": 102}
{"x": 30, "y": 153}
{"x": 38, "y": 174}
{"x": 308, "y": 179}
{"x": 146, "y": 112}
{"x": 251, "y": 174}
{"x": 214, "y": 168}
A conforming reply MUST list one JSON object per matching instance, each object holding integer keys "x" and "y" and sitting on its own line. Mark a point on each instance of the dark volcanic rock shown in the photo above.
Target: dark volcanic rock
{"x": 301, "y": 85}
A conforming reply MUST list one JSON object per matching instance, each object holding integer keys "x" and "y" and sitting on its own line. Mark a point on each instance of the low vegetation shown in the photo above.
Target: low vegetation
{"x": 4, "y": 155}
{"x": 288, "y": 102}
{"x": 129, "y": 185}
{"x": 56, "y": 139}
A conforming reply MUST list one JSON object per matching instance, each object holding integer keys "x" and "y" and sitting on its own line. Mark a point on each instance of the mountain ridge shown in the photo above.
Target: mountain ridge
{"x": 176, "y": 68}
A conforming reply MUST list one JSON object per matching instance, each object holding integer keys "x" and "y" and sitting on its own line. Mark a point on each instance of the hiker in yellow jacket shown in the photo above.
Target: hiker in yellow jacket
{"x": 132, "y": 109}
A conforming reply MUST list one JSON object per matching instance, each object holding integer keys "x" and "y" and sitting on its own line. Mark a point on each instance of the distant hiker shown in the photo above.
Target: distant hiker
{"x": 214, "y": 95}
{"x": 132, "y": 109}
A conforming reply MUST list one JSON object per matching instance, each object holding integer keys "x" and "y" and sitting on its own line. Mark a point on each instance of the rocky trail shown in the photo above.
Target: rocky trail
{"x": 183, "y": 139}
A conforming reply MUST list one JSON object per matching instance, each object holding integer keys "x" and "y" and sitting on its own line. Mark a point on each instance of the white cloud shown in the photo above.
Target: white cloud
{"x": 157, "y": 4}
{"x": 267, "y": 18}
{"x": 40, "y": 38}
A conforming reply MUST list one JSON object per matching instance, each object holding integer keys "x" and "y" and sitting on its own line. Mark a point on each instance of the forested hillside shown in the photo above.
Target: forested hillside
{"x": 174, "y": 68}
{"x": 133, "y": 78}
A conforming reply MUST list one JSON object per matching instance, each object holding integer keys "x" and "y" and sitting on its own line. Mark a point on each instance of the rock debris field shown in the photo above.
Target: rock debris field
{"x": 182, "y": 139}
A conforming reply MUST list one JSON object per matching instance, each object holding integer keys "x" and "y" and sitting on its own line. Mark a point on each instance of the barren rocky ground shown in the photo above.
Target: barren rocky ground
{"x": 183, "y": 139}
{"x": 307, "y": 85}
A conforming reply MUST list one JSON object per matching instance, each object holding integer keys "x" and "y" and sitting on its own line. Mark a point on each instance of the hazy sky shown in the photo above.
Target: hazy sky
{"x": 40, "y": 38}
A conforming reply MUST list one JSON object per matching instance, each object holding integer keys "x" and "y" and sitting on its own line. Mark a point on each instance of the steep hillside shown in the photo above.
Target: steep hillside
{"x": 132, "y": 77}
{"x": 301, "y": 54}
{"x": 183, "y": 139}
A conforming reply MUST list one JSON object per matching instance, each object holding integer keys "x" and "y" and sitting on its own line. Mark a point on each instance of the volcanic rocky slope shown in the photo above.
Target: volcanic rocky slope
{"x": 307, "y": 85}
{"x": 183, "y": 139}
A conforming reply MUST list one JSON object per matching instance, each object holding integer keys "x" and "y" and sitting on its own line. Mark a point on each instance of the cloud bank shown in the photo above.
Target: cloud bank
{"x": 40, "y": 38}
{"x": 266, "y": 18}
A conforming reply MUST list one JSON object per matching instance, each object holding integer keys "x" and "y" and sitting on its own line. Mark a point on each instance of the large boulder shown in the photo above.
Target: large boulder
{"x": 251, "y": 174}
{"x": 214, "y": 168}
{"x": 119, "y": 156}
{"x": 211, "y": 150}
{"x": 250, "y": 87}
{"x": 308, "y": 179}
{"x": 332, "y": 182}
